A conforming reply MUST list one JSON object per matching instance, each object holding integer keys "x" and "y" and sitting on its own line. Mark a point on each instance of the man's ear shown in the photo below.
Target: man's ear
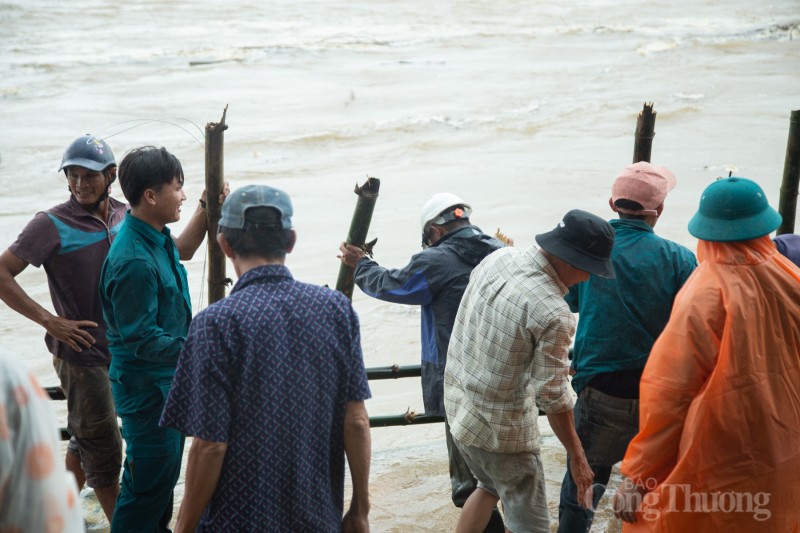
{"x": 292, "y": 241}
{"x": 149, "y": 196}
{"x": 435, "y": 233}
{"x": 225, "y": 245}
{"x": 611, "y": 205}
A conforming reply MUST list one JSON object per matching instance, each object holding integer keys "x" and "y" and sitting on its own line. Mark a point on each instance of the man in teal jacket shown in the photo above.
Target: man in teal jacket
{"x": 146, "y": 305}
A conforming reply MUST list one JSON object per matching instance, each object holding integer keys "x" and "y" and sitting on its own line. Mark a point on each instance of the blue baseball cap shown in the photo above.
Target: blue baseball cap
{"x": 239, "y": 201}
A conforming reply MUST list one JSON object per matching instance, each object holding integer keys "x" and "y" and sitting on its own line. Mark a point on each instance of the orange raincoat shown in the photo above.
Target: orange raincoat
{"x": 719, "y": 423}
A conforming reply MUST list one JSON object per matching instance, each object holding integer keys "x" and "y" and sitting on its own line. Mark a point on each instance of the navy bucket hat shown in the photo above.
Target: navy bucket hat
{"x": 584, "y": 241}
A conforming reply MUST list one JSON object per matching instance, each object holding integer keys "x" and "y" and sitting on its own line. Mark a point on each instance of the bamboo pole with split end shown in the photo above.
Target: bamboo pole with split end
{"x": 215, "y": 182}
{"x": 357, "y": 235}
{"x": 787, "y": 205}
{"x": 645, "y": 131}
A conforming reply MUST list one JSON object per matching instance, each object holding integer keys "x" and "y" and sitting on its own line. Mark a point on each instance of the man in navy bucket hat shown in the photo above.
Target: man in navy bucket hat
{"x": 507, "y": 359}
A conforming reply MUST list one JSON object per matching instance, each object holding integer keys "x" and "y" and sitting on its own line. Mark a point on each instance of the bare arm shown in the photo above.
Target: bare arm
{"x": 189, "y": 241}
{"x": 202, "y": 475}
{"x": 563, "y": 425}
{"x": 68, "y": 331}
{"x": 357, "y": 446}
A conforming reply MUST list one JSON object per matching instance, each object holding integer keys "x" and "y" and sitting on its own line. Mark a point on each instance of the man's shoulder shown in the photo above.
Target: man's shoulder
{"x": 672, "y": 245}
{"x": 683, "y": 258}
{"x": 118, "y": 211}
{"x": 40, "y": 222}
{"x": 44, "y": 219}
{"x": 659, "y": 243}
{"x": 64, "y": 208}
{"x": 129, "y": 247}
{"x": 117, "y": 203}
{"x": 319, "y": 292}
{"x": 302, "y": 291}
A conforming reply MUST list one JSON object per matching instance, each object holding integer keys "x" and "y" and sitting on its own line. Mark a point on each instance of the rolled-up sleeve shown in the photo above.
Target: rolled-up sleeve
{"x": 551, "y": 364}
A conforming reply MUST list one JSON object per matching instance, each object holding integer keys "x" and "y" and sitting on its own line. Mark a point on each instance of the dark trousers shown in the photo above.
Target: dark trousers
{"x": 605, "y": 425}
{"x": 462, "y": 482}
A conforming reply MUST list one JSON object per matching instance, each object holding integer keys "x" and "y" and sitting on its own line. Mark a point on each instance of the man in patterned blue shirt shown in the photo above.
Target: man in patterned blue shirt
{"x": 271, "y": 384}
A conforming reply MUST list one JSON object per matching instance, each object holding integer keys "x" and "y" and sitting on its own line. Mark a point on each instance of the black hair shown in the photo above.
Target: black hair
{"x": 145, "y": 168}
{"x": 262, "y": 236}
{"x": 624, "y": 203}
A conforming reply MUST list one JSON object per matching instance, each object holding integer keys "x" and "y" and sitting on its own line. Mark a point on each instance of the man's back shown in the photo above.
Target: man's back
{"x": 621, "y": 318}
{"x": 509, "y": 349}
{"x": 434, "y": 279}
{"x": 272, "y": 368}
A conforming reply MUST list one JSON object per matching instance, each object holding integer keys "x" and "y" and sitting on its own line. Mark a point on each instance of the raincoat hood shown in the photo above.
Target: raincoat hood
{"x": 470, "y": 244}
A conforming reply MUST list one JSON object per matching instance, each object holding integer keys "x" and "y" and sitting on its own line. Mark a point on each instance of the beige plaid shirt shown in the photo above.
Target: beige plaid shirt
{"x": 508, "y": 353}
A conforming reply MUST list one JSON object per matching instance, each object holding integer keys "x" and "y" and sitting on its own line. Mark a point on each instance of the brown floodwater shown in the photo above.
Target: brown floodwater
{"x": 524, "y": 108}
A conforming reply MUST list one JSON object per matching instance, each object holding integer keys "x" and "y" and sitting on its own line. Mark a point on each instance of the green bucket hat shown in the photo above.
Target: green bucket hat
{"x": 733, "y": 209}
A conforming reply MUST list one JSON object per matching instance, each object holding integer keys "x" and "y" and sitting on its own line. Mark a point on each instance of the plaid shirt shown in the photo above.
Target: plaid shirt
{"x": 508, "y": 353}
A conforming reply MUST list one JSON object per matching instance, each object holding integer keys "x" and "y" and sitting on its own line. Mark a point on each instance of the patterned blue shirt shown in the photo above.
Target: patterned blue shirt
{"x": 269, "y": 371}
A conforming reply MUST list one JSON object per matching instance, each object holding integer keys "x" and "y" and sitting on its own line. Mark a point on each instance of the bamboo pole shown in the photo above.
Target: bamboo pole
{"x": 787, "y": 206}
{"x": 373, "y": 373}
{"x": 215, "y": 181}
{"x": 403, "y": 420}
{"x": 645, "y": 131}
{"x": 357, "y": 235}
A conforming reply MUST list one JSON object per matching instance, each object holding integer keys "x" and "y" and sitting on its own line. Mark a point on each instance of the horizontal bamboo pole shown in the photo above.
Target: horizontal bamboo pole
{"x": 373, "y": 373}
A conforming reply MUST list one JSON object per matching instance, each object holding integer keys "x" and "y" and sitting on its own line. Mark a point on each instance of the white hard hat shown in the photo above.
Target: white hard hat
{"x": 434, "y": 209}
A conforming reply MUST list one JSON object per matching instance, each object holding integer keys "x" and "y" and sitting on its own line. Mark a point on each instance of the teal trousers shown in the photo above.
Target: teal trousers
{"x": 152, "y": 460}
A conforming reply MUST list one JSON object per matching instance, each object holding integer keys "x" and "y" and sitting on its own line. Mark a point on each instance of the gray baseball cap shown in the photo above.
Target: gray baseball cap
{"x": 239, "y": 201}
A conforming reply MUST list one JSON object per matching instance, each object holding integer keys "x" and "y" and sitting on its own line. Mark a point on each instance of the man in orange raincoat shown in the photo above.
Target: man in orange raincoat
{"x": 718, "y": 447}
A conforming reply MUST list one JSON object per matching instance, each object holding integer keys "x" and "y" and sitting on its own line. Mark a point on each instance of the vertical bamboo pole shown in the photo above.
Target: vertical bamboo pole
{"x": 357, "y": 235}
{"x": 787, "y": 206}
{"x": 645, "y": 131}
{"x": 215, "y": 181}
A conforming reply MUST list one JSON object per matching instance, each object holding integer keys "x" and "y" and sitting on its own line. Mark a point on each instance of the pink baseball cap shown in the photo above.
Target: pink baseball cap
{"x": 645, "y": 184}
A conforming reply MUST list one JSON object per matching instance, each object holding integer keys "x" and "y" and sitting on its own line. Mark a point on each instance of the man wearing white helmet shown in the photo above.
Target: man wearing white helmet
{"x": 71, "y": 240}
{"x": 434, "y": 279}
